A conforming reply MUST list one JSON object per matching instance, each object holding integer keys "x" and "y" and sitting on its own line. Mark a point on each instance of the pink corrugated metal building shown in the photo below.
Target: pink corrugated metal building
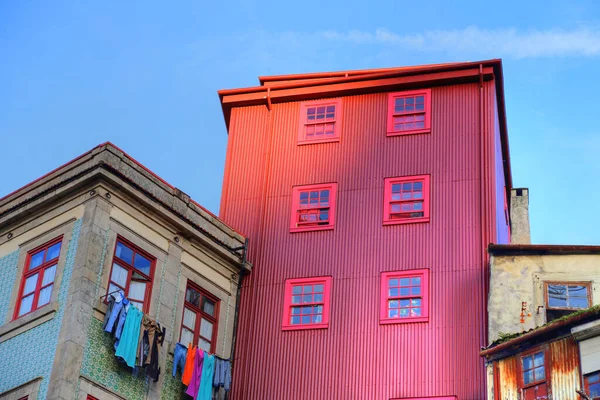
{"x": 369, "y": 198}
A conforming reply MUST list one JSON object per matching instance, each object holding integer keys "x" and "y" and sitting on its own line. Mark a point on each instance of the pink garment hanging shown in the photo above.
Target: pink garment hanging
{"x": 192, "y": 389}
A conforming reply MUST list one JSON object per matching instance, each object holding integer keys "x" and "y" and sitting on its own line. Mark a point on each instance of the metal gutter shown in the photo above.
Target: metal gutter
{"x": 540, "y": 249}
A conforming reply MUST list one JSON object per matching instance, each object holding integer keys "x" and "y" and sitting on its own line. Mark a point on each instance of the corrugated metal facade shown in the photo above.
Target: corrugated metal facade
{"x": 356, "y": 357}
{"x": 563, "y": 373}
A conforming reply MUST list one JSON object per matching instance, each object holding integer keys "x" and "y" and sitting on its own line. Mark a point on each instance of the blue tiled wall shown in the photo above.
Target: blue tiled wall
{"x": 31, "y": 354}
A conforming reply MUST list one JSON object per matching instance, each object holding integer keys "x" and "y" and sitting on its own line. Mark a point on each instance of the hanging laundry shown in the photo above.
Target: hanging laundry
{"x": 194, "y": 385}
{"x": 206, "y": 383}
{"x": 148, "y": 331}
{"x": 113, "y": 311}
{"x": 153, "y": 367}
{"x": 222, "y": 376}
{"x": 189, "y": 365}
{"x": 179, "y": 359}
{"x": 128, "y": 344}
{"x": 121, "y": 318}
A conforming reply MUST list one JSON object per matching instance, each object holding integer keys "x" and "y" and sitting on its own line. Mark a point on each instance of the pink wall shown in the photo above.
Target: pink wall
{"x": 356, "y": 357}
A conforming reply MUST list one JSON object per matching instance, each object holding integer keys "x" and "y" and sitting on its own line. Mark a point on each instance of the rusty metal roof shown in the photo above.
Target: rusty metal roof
{"x": 521, "y": 337}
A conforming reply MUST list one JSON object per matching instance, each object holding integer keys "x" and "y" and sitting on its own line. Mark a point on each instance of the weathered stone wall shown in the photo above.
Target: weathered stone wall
{"x": 517, "y": 279}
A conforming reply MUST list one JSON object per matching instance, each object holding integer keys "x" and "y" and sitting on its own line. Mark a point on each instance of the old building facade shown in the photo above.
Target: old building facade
{"x": 370, "y": 198}
{"x": 64, "y": 241}
{"x": 544, "y": 317}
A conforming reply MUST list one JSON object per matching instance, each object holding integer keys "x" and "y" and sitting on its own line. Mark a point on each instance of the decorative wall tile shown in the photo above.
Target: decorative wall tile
{"x": 101, "y": 366}
{"x": 8, "y": 272}
{"x": 172, "y": 387}
{"x": 31, "y": 354}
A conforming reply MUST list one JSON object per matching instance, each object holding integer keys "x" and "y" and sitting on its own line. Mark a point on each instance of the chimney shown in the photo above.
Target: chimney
{"x": 519, "y": 216}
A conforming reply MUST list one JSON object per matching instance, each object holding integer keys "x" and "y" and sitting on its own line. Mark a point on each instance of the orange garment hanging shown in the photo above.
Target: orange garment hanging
{"x": 189, "y": 365}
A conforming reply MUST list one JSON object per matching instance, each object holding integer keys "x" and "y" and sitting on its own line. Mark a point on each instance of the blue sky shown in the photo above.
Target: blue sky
{"x": 144, "y": 75}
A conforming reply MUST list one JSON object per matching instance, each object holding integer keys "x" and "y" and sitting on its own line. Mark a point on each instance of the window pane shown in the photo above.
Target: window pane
{"x": 49, "y": 275}
{"x": 206, "y": 328}
{"x": 593, "y": 378}
{"x": 527, "y": 362}
{"x": 137, "y": 304}
{"x": 578, "y": 302}
{"x": 137, "y": 290}
{"x": 295, "y": 320}
{"x": 415, "y": 290}
{"x": 53, "y": 252}
{"x": 296, "y": 310}
{"x": 318, "y": 298}
{"x": 557, "y": 295}
{"x": 306, "y": 319}
{"x": 124, "y": 252}
{"x": 45, "y": 295}
{"x": 306, "y": 310}
{"x": 112, "y": 288}
{"x": 208, "y": 306}
{"x": 119, "y": 275}
{"x": 577, "y": 290}
{"x": 405, "y": 282}
{"x": 316, "y": 319}
{"x": 393, "y": 292}
{"x": 36, "y": 260}
{"x": 538, "y": 359}
{"x": 308, "y": 289}
{"x": 415, "y": 302}
{"x": 403, "y": 312}
{"x": 189, "y": 318}
{"x": 528, "y": 377}
{"x": 393, "y": 282}
{"x": 26, "y": 305}
{"x": 204, "y": 345}
{"x": 296, "y": 299}
{"x": 318, "y": 289}
{"x": 415, "y": 312}
{"x": 594, "y": 389}
{"x": 393, "y": 304}
{"x": 142, "y": 264}
{"x": 187, "y": 337}
{"x": 30, "y": 284}
{"x": 405, "y": 303}
{"x": 297, "y": 290}
{"x": 192, "y": 296}
{"x": 393, "y": 313}
{"x": 539, "y": 374}
{"x": 404, "y": 291}
{"x": 416, "y": 281}
{"x": 307, "y": 298}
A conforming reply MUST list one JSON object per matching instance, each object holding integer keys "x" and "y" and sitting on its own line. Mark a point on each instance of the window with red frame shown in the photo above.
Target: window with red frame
{"x": 409, "y": 112}
{"x": 132, "y": 272}
{"x": 38, "y": 277}
{"x": 592, "y": 385}
{"x": 320, "y": 121}
{"x": 313, "y": 207}
{"x": 199, "y": 321}
{"x": 404, "y": 296}
{"x": 306, "y": 303}
{"x": 533, "y": 375}
{"x": 406, "y": 200}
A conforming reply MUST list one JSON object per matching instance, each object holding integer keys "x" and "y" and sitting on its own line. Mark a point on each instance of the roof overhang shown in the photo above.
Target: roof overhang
{"x": 540, "y": 249}
{"x": 284, "y": 88}
{"x": 107, "y": 163}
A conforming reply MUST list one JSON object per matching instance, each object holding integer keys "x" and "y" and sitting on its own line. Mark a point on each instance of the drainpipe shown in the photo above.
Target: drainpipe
{"x": 237, "y": 307}
{"x": 482, "y": 164}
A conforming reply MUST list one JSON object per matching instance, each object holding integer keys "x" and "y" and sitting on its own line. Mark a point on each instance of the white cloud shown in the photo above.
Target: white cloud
{"x": 507, "y": 42}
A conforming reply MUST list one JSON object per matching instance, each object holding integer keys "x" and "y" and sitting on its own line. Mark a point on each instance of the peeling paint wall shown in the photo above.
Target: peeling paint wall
{"x": 517, "y": 279}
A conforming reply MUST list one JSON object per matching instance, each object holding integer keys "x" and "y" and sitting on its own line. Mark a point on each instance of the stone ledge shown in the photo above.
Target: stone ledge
{"x": 28, "y": 321}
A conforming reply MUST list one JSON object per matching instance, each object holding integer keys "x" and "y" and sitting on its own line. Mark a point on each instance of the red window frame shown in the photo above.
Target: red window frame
{"x": 586, "y": 381}
{"x": 299, "y": 207}
{"x": 395, "y": 280}
{"x": 148, "y": 278}
{"x": 330, "y": 122}
{"x": 200, "y": 313}
{"x": 389, "y": 201}
{"x": 521, "y": 370}
{"x": 424, "y": 114}
{"x": 39, "y": 270}
{"x": 291, "y": 301}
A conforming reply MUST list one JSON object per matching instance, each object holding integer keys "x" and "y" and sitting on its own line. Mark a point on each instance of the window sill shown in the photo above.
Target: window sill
{"x": 316, "y": 141}
{"x": 303, "y": 327}
{"x": 415, "y": 132}
{"x": 405, "y": 221}
{"x": 28, "y": 321}
{"x": 387, "y": 321}
{"x": 312, "y": 228}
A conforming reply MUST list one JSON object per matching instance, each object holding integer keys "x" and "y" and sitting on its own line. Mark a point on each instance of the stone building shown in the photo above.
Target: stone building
{"x": 63, "y": 241}
{"x": 543, "y": 316}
